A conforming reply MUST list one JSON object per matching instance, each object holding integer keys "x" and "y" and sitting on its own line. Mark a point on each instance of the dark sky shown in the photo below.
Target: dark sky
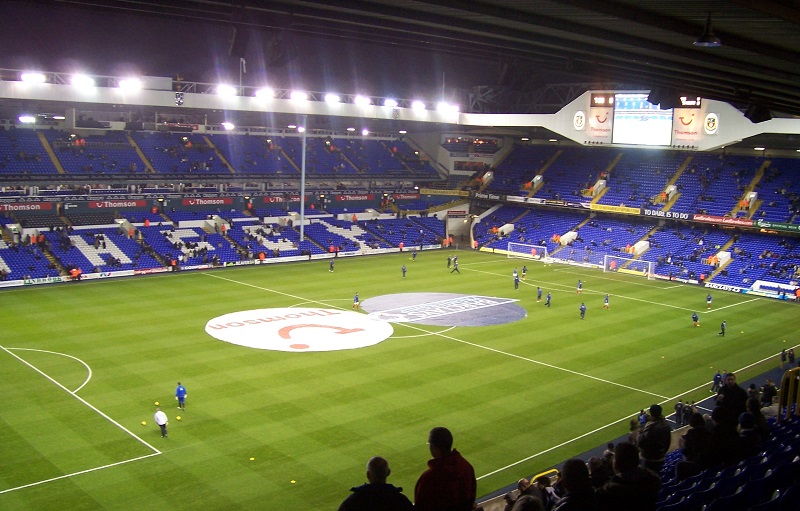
{"x": 66, "y": 38}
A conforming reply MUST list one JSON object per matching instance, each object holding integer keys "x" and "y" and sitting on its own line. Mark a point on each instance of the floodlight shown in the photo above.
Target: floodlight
{"x": 83, "y": 81}
{"x": 418, "y": 105}
{"x": 33, "y": 77}
{"x": 364, "y": 132}
{"x": 332, "y": 98}
{"x": 226, "y": 90}
{"x": 130, "y": 84}
{"x": 27, "y": 119}
{"x": 444, "y": 106}
{"x": 298, "y": 95}
{"x": 402, "y": 132}
{"x": 228, "y": 126}
{"x": 265, "y": 92}
{"x": 391, "y": 103}
{"x": 362, "y": 100}
{"x": 351, "y": 129}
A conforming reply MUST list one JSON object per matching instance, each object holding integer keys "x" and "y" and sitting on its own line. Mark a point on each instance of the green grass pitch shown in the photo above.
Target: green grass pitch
{"x": 83, "y": 364}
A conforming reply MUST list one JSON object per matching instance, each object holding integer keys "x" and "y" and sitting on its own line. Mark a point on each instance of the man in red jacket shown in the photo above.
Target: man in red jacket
{"x": 449, "y": 484}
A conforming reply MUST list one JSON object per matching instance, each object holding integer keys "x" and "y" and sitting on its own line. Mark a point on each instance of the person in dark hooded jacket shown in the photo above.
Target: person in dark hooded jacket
{"x": 377, "y": 493}
{"x": 633, "y": 487}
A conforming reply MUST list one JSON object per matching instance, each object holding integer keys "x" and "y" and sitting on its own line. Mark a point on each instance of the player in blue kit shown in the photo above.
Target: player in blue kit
{"x": 403, "y": 269}
{"x": 580, "y": 287}
{"x": 547, "y": 300}
{"x": 583, "y": 310}
{"x": 708, "y": 301}
{"x": 538, "y": 294}
{"x": 516, "y": 281}
{"x": 695, "y": 319}
{"x": 605, "y": 303}
{"x": 524, "y": 271}
{"x": 180, "y": 395}
{"x": 356, "y": 302}
{"x": 330, "y": 267}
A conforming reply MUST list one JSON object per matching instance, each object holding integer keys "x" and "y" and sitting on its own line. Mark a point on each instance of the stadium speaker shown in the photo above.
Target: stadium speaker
{"x": 238, "y": 42}
{"x": 757, "y": 113}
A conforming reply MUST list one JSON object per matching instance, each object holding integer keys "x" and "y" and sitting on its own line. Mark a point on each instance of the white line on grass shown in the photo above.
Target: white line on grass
{"x": 86, "y": 403}
{"x": 588, "y": 291}
{"x": 414, "y": 327}
{"x": 89, "y": 369}
{"x": 79, "y": 473}
{"x": 627, "y": 418}
{"x": 731, "y": 305}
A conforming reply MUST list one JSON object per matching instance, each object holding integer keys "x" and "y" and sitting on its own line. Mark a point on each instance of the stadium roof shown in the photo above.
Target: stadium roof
{"x": 490, "y": 56}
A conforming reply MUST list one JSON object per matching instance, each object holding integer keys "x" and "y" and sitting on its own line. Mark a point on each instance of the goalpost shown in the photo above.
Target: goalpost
{"x": 525, "y": 251}
{"x": 630, "y": 266}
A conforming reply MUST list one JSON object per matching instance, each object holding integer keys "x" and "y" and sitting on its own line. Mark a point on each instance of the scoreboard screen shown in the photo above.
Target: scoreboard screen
{"x": 639, "y": 122}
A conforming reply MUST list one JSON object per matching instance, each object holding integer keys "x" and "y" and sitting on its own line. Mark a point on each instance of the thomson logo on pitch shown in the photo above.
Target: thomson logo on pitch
{"x": 299, "y": 329}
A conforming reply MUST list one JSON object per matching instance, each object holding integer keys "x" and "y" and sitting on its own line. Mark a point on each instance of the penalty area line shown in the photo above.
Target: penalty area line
{"x": 95, "y": 469}
{"x": 79, "y": 398}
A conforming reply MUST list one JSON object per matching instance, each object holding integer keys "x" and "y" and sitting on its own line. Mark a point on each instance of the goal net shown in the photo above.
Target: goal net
{"x": 629, "y": 265}
{"x": 525, "y": 251}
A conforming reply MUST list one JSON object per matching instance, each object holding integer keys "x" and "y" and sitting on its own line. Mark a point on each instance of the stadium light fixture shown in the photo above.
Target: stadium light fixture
{"x": 226, "y": 90}
{"x": 265, "y": 93}
{"x": 418, "y": 105}
{"x": 82, "y": 81}
{"x": 362, "y": 100}
{"x": 228, "y": 126}
{"x": 402, "y": 132}
{"x": 446, "y": 107}
{"x": 391, "y": 103}
{"x": 707, "y": 39}
{"x": 759, "y": 148}
{"x": 524, "y": 139}
{"x": 351, "y": 129}
{"x": 130, "y": 84}
{"x": 33, "y": 77}
{"x": 298, "y": 95}
{"x": 301, "y": 129}
{"x": 332, "y": 98}
{"x": 27, "y": 119}
{"x": 364, "y": 132}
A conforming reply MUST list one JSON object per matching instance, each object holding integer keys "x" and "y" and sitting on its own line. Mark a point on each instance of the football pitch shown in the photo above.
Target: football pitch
{"x": 279, "y": 417}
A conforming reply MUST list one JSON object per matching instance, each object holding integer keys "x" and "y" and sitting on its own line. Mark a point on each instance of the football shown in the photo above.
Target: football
{"x": 144, "y": 423}
{"x": 178, "y": 418}
{"x": 156, "y": 403}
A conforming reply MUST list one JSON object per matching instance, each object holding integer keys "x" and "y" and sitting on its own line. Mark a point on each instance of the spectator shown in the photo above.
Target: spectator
{"x": 655, "y": 439}
{"x": 692, "y": 443}
{"x": 749, "y": 439}
{"x": 772, "y": 410}
{"x": 768, "y": 392}
{"x": 632, "y": 488}
{"x": 546, "y": 492}
{"x": 525, "y": 488}
{"x": 579, "y": 494}
{"x": 723, "y": 443}
{"x": 760, "y": 422}
{"x": 732, "y": 399}
{"x": 449, "y": 484}
{"x": 528, "y": 503}
{"x": 376, "y": 493}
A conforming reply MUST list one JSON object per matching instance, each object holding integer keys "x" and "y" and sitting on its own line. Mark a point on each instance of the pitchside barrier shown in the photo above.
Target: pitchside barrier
{"x": 789, "y": 395}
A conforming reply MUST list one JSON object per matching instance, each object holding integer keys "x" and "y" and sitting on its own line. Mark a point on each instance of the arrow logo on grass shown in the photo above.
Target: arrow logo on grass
{"x": 285, "y": 332}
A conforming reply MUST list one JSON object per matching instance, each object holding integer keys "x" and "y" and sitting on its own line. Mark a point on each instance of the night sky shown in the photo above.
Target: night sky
{"x": 66, "y": 38}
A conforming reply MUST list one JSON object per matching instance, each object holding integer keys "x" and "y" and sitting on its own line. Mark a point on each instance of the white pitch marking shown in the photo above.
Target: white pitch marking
{"x": 109, "y": 419}
{"x": 79, "y": 473}
{"x": 409, "y": 325}
{"x": 89, "y": 369}
{"x": 626, "y": 418}
{"x": 731, "y": 305}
